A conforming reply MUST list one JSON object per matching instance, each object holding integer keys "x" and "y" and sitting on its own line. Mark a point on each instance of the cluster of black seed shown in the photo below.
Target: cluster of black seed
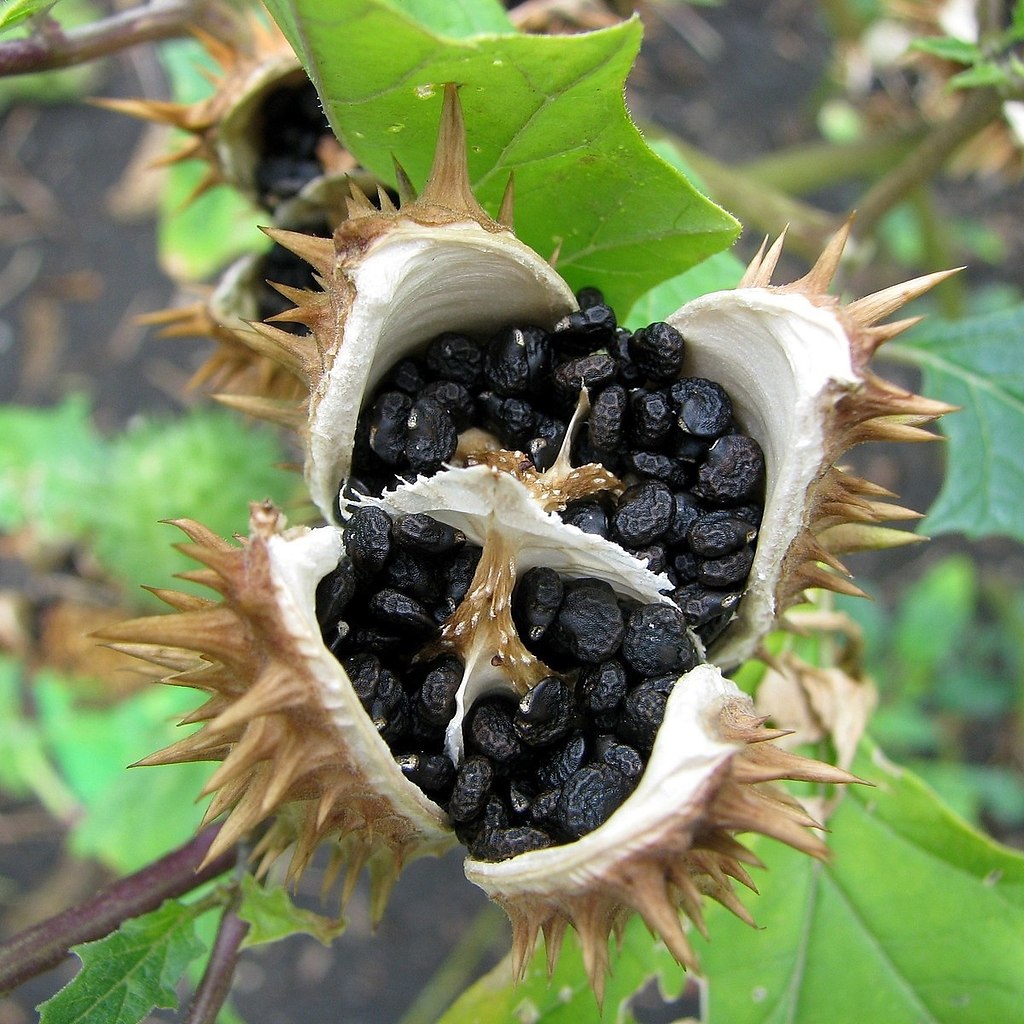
{"x": 554, "y": 766}
{"x": 695, "y": 494}
{"x": 398, "y": 581}
{"x": 290, "y": 125}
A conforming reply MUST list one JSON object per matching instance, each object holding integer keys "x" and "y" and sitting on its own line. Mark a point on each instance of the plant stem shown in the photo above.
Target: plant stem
{"x": 52, "y": 47}
{"x": 977, "y": 111}
{"x": 46, "y": 944}
{"x": 220, "y": 968}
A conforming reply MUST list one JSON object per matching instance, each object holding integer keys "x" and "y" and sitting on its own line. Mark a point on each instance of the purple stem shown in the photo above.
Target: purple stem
{"x": 220, "y": 969}
{"x": 46, "y": 944}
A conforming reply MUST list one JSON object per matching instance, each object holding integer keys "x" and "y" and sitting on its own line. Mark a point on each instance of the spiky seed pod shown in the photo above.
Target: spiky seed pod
{"x": 283, "y": 714}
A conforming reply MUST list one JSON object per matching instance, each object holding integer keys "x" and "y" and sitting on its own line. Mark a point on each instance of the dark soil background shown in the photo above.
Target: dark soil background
{"x": 78, "y": 267}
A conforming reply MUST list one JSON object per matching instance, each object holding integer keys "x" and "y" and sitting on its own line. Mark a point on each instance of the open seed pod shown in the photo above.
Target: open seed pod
{"x": 469, "y": 655}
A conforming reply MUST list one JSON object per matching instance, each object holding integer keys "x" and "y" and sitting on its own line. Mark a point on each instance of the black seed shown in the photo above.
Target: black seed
{"x": 727, "y": 572}
{"x": 601, "y": 688}
{"x": 627, "y": 373}
{"x": 433, "y": 773}
{"x": 436, "y": 699}
{"x": 536, "y": 601}
{"x": 407, "y": 376}
{"x": 459, "y": 574}
{"x": 589, "y": 798}
{"x": 719, "y": 533}
{"x": 368, "y": 539}
{"x": 512, "y": 419}
{"x": 334, "y": 592}
{"x": 517, "y": 360}
{"x": 420, "y": 532}
{"x": 545, "y": 713}
{"x": 502, "y": 843}
{"x": 687, "y": 510}
{"x": 489, "y": 730}
{"x": 620, "y": 756}
{"x": 654, "y": 555}
{"x": 591, "y": 372}
{"x": 589, "y": 296}
{"x": 658, "y": 350}
{"x": 413, "y": 574}
{"x": 364, "y": 671}
{"x": 658, "y": 466}
{"x": 751, "y": 513}
{"x": 656, "y": 642}
{"x": 455, "y": 399}
{"x": 593, "y": 324}
{"x": 700, "y": 605}
{"x": 388, "y": 426}
{"x": 703, "y": 406}
{"x": 687, "y": 447}
{"x": 544, "y": 807}
{"x": 644, "y": 513}
{"x": 455, "y": 357}
{"x": 377, "y": 641}
{"x": 733, "y": 472}
{"x": 644, "y": 710}
{"x": 588, "y": 515}
{"x": 543, "y": 448}
{"x": 400, "y": 611}
{"x": 607, "y": 418}
{"x": 566, "y": 759}
{"x": 651, "y": 417}
{"x": 431, "y": 438}
{"x": 473, "y": 781}
{"x": 685, "y": 567}
{"x": 589, "y": 624}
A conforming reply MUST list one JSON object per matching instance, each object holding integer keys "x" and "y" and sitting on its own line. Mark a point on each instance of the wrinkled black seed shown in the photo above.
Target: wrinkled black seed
{"x": 363, "y": 669}
{"x": 455, "y": 357}
{"x": 376, "y": 640}
{"x": 412, "y": 573}
{"x": 588, "y": 515}
{"x": 651, "y": 417}
{"x": 513, "y": 419}
{"x": 643, "y": 711}
{"x": 684, "y": 565}
{"x": 607, "y": 418}
{"x": 489, "y": 730}
{"x": 435, "y": 701}
{"x": 658, "y": 350}
{"x": 601, "y": 688}
{"x": 594, "y": 324}
{"x": 388, "y": 426}
{"x": 654, "y": 555}
{"x": 656, "y": 642}
{"x": 544, "y": 807}
{"x": 502, "y": 843}
{"x": 733, "y": 472}
{"x": 658, "y": 466}
{"x": 687, "y": 509}
{"x": 544, "y": 446}
{"x": 644, "y": 513}
{"x": 703, "y": 406}
{"x": 589, "y": 624}
{"x": 727, "y": 572}
{"x": 687, "y": 448}
{"x": 719, "y": 533}
{"x": 455, "y": 399}
{"x": 472, "y": 789}
{"x": 752, "y": 513}
{"x": 545, "y": 713}
{"x": 700, "y": 605}
{"x": 334, "y": 591}
{"x": 459, "y": 574}
{"x": 627, "y": 373}
{"x": 589, "y": 798}
{"x": 392, "y": 608}
{"x": 407, "y": 376}
{"x": 433, "y": 773}
{"x": 536, "y": 601}
{"x": 420, "y": 532}
{"x": 431, "y": 439}
{"x": 592, "y": 372}
{"x": 589, "y": 296}
{"x": 517, "y": 360}
{"x": 368, "y": 539}
{"x": 566, "y": 758}
{"x": 620, "y": 756}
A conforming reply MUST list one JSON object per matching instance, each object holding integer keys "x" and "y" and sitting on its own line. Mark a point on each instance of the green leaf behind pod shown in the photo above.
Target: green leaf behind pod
{"x": 978, "y": 364}
{"x": 547, "y": 108}
{"x": 273, "y": 916}
{"x": 916, "y": 919}
{"x": 132, "y": 970}
{"x": 567, "y": 998}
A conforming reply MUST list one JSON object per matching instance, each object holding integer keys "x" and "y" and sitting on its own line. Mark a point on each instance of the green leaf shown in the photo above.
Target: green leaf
{"x": 958, "y": 50}
{"x": 917, "y": 919}
{"x": 717, "y": 273}
{"x": 981, "y": 75}
{"x": 456, "y": 18}
{"x": 547, "y": 108}
{"x": 567, "y": 998}
{"x": 976, "y": 363}
{"x": 131, "y": 971}
{"x": 273, "y": 916}
{"x": 17, "y": 11}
